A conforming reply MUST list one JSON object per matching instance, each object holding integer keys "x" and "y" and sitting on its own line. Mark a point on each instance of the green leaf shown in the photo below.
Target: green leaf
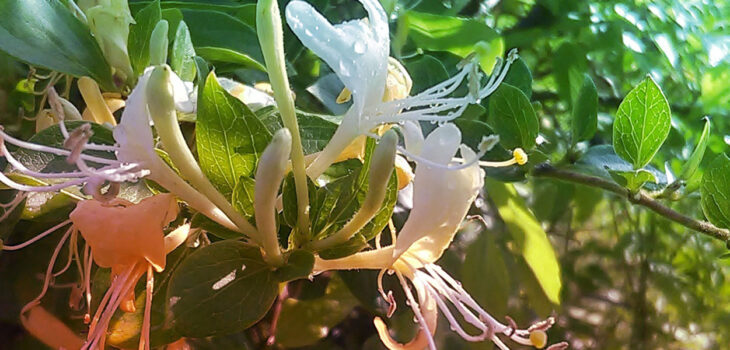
{"x": 485, "y": 275}
{"x": 599, "y": 160}
{"x": 230, "y": 137}
{"x": 223, "y": 55}
{"x": 139, "y": 35}
{"x": 519, "y": 76}
{"x": 585, "y": 112}
{"x": 632, "y": 179}
{"x": 219, "y": 289}
{"x": 45, "y": 34}
{"x": 530, "y": 239}
{"x": 715, "y": 191}
{"x": 569, "y": 65}
{"x": 642, "y": 123}
{"x": 316, "y": 129}
{"x": 299, "y": 265}
{"x": 460, "y": 36}
{"x": 429, "y": 70}
{"x": 512, "y": 117}
{"x": 243, "y": 196}
{"x": 690, "y": 167}
{"x": 182, "y": 57}
{"x": 304, "y": 322}
{"x": 203, "y": 222}
{"x": 217, "y": 29}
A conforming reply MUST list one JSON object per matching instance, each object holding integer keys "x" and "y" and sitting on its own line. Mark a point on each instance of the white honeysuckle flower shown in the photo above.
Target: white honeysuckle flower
{"x": 442, "y": 195}
{"x": 357, "y": 51}
{"x": 136, "y": 156}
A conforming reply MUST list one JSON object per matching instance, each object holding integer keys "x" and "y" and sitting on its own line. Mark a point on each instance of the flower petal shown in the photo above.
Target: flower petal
{"x": 441, "y": 197}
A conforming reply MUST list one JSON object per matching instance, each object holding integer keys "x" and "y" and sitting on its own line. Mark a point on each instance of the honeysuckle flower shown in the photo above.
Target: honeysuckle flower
{"x": 358, "y": 53}
{"x": 136, "y": 156}
{"x": 129, "y": 239}
{"x": 442, "y": 196}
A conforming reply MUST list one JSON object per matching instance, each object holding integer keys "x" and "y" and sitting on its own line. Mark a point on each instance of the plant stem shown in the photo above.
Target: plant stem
{"x": 271, "y": 37}
{"x": 640, "y": 198}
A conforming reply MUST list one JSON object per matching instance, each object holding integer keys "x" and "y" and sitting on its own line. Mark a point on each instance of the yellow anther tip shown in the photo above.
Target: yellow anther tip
{"x": 538, "y": 339}
{"x": 520, "y": 156}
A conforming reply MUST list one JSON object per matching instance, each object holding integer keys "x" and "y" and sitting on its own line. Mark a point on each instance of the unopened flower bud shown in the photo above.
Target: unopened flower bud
{"x": 159, "y": 43}
{"x": 269, "y": 175}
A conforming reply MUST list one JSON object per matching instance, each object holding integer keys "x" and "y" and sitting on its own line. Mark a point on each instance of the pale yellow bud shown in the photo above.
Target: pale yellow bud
{"x": 398, "y": 84}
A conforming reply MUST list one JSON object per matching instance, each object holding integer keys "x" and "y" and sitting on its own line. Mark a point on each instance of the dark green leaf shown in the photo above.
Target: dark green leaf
{"x": 531, "y": 240}
{"x": 182, "y": 56}
{"x": 428, "y": 70}
{"x": 223, "y": 55}
{"x": 217, "y": 29}
{"x": 585, "y": 112}
{"x": 304, "y": 322}
{"x": 689, "y": 168}
{"x": 299, "y": 264}
{"x": 569, "y": 65}
{"x": 486, "y": 276}
{"x": 519, "y": 76}
{"x": 140, "y": 33}
{"x": 715, "y": 191}
{"x": 44, "y": 33}
{"x": 219, "y": 289}
{"x": 512, "y": 117}
{"x": 460, "y": 36}
{"x": 203, "y": 222}
{"x": 642, "y": 123}
{"x": 230, "y": 137}
{"x": 601, "y": 159}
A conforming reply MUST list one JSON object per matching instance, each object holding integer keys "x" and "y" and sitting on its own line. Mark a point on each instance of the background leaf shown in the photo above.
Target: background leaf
{"x": 139, "y": 35}
{"x": 531, "y": 240}
{"x": 45, "y": 34}
{"x": 585, "y": 112}
{"x": 715, "y": 191}
{"x": 182, "y": 55}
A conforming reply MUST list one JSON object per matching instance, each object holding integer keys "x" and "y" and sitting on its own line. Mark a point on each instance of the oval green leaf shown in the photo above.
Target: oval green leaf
{"x": 45, "y": 34}
{"x": 585, "y": 112}
{"x": 512, "y": 117}
{"x": 715, "y": 191}
{"x": 642, "y": 123}
{"x": 223, "y": 288}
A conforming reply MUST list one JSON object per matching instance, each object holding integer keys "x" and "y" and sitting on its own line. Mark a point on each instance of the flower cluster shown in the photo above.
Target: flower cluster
{"x": 129, "y": 237}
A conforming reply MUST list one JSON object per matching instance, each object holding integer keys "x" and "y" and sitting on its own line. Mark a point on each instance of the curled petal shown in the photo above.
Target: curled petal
{"x": 441, "y": 197}
{"x": 121, "y": 233}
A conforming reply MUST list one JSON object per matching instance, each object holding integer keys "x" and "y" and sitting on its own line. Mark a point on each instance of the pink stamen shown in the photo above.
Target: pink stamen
{"x": 37, "y": 237}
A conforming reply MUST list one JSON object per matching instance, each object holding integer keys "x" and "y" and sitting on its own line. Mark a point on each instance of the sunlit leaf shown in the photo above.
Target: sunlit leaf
{"x": 530, "y": 239}
{"x": 642, "y": 123}
{"x": 715, "y": 190}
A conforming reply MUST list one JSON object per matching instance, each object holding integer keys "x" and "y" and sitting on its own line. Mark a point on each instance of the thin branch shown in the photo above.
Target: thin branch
{"x": 640, "y": 198}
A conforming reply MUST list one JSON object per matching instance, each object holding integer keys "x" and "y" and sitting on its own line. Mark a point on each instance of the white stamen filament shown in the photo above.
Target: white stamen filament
{"x": 416, "y": 310}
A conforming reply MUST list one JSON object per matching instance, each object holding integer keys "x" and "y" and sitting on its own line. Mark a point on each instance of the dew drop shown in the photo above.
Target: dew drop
{"x": 359, "y": 47}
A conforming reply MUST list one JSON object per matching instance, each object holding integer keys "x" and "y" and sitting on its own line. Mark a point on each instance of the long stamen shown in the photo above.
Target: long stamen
{"x": 48, "y": 275}
{"x": 36, "y": 238}
{"x": 144, "y": 343}
{"x": 416, "y": 310}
